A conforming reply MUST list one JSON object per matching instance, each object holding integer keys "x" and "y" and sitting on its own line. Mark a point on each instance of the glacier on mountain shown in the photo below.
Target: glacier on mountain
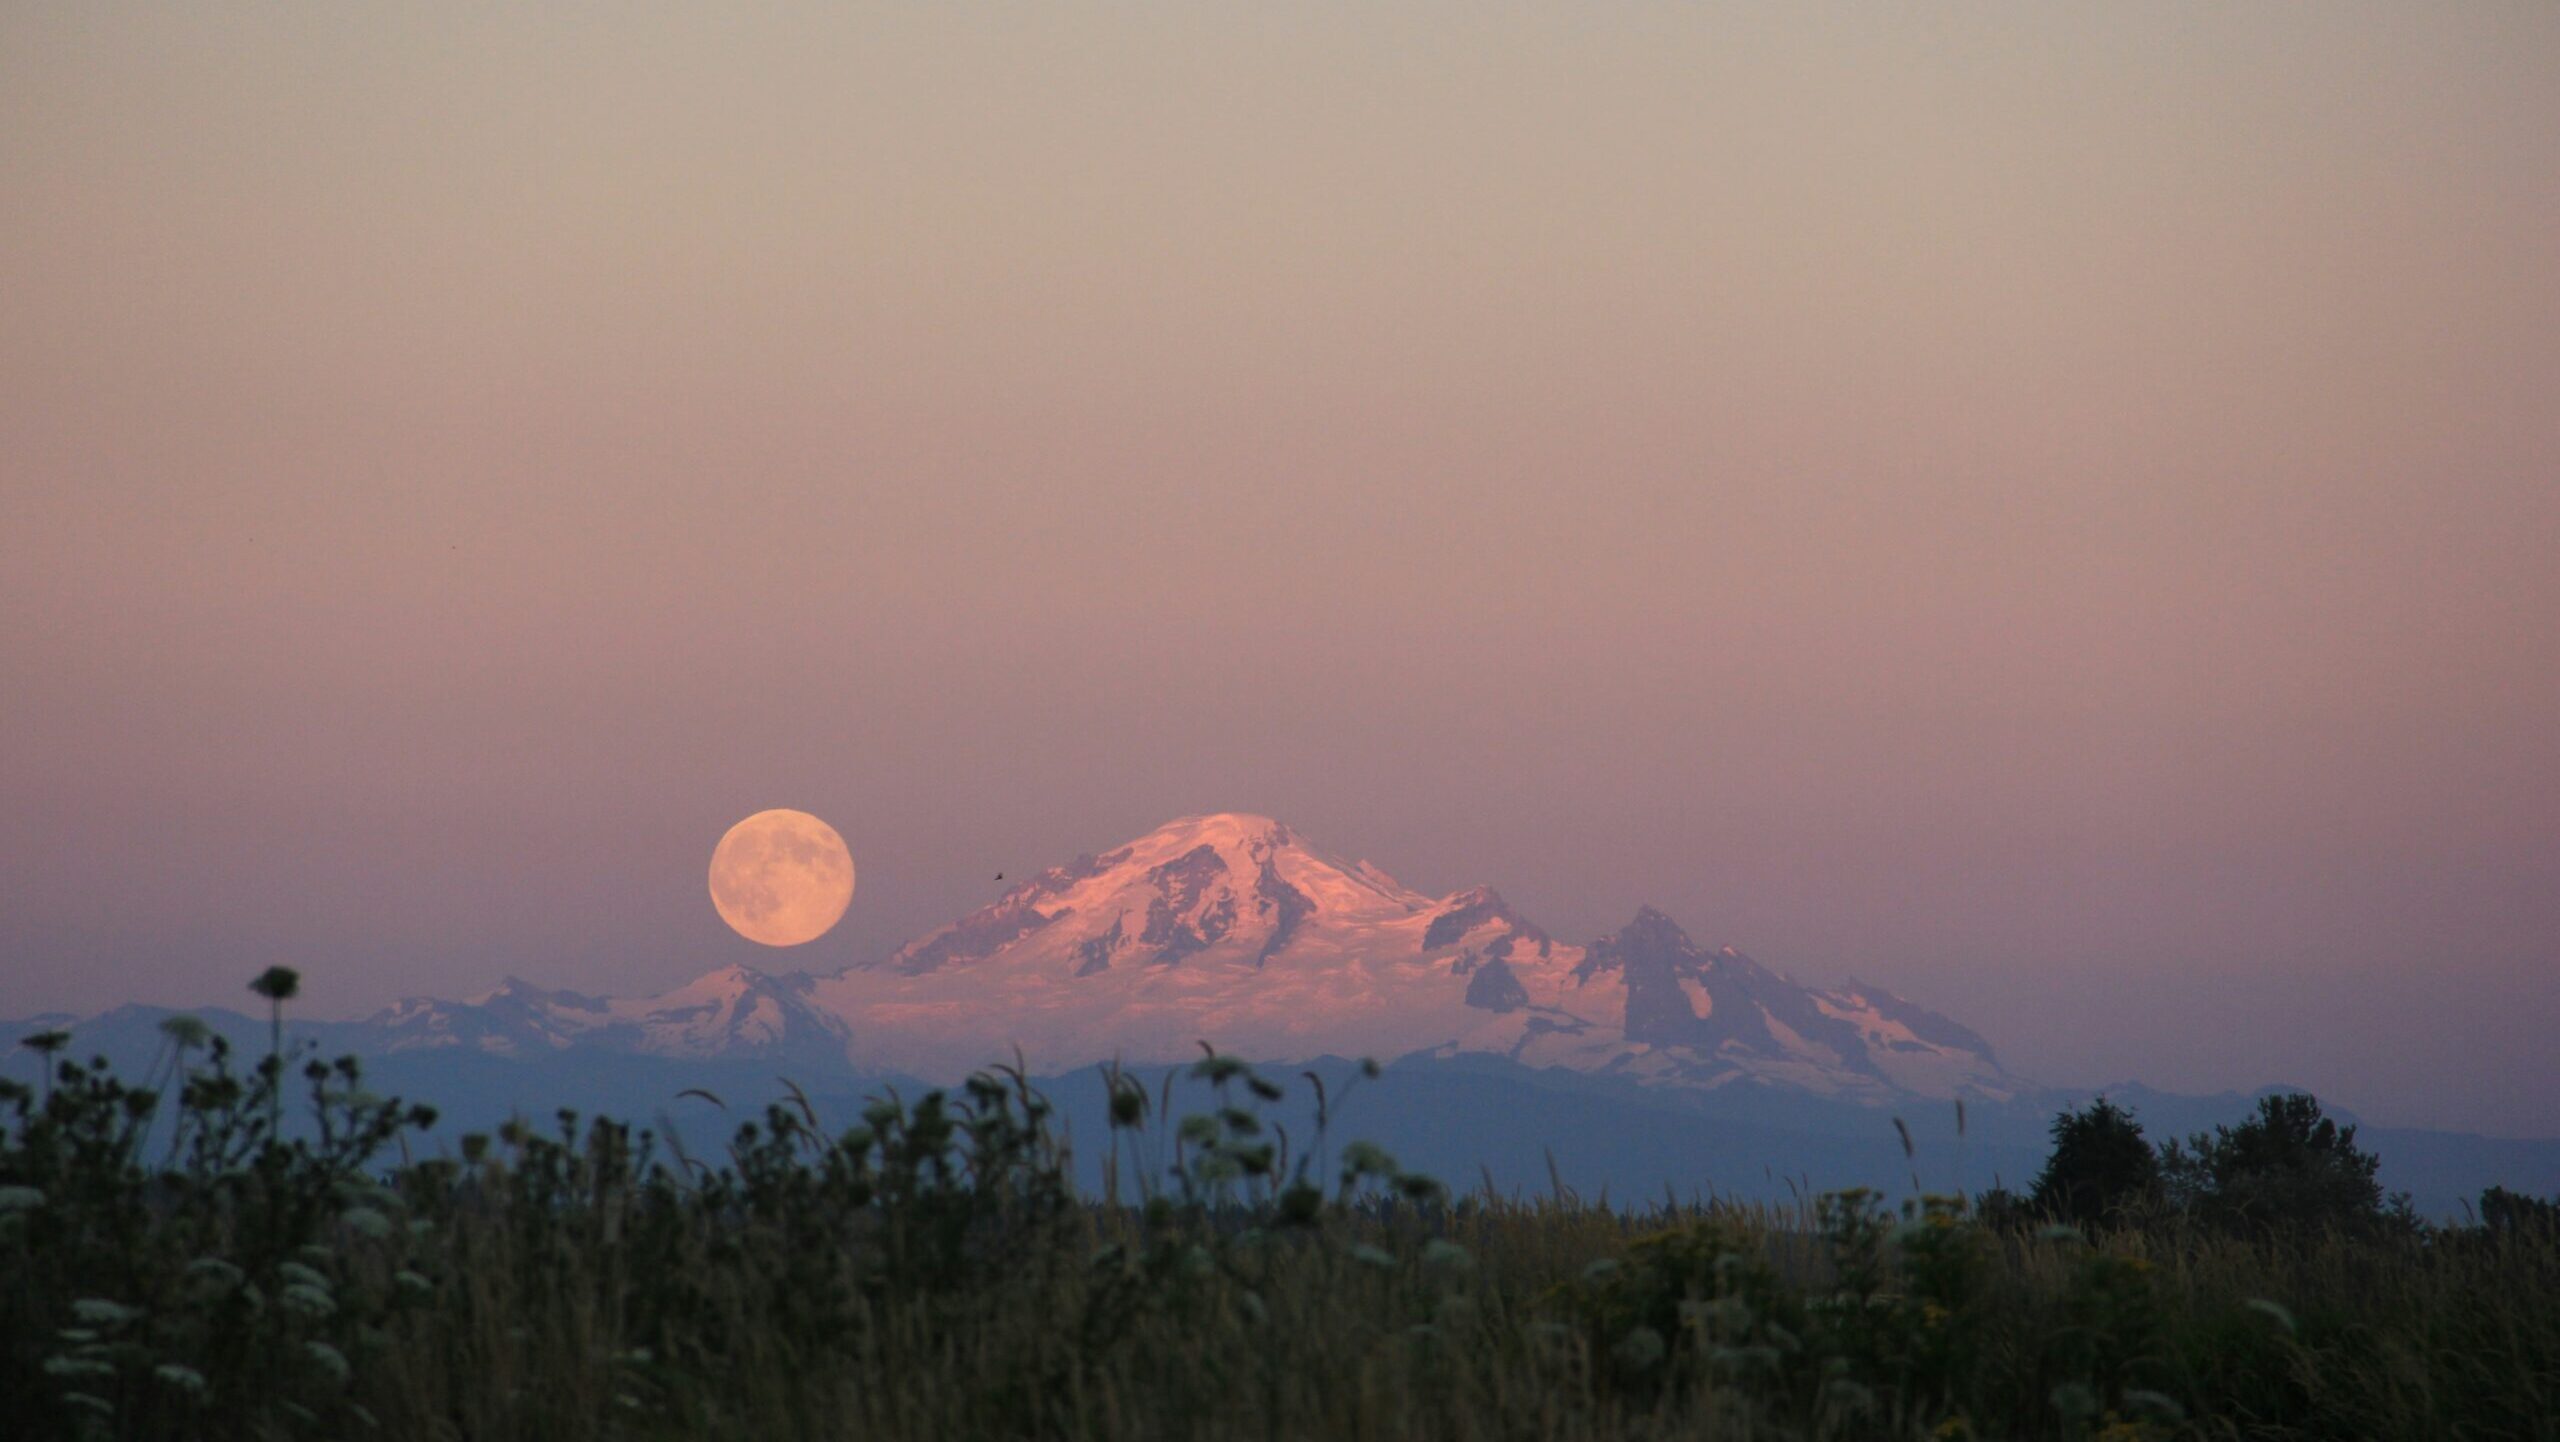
{"x": 1232, "y": 929}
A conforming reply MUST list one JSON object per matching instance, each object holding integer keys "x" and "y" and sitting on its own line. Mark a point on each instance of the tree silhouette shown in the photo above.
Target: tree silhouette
{"x": 2509, "y": 1213}
{"x": 2102, "y": 1169}
{"x": 2287, "y": 1167}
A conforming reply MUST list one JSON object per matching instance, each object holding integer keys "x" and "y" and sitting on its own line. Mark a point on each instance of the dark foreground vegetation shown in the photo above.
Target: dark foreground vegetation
{"x": 228, "y": 1251}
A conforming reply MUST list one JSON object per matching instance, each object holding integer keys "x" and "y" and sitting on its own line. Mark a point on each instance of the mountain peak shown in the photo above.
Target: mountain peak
{"x": 1221, "y": 829}
{"x": 1232, "y": 926}
{"x": 1219, "y": 888}
{"x": 1651, "y": 929}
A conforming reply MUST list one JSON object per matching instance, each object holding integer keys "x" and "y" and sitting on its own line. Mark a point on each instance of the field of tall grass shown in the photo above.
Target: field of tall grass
{"x": 221, "y": 1250}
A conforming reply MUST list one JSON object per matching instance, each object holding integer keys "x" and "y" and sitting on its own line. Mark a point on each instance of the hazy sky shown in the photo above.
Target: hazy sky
{"x": 2055, "y": 509}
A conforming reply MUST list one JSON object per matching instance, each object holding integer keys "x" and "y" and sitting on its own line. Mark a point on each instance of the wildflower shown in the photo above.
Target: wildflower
{"x": 1368, "y": 1255}
{"x": 1218, "y": 1069}
{"x": 186, "y": 1032}
{"x": 306, "y": 1300}
{"x": 77, "y": 1367}
{"x": 1445, "y": 1255}
{"x": 1363, "y": 1159}
{"x": 99, "y": 1312}
{"x": 185, "y": 1379}
{"x": 366, "y": 1222}
{"x": 20, "y": 1199}
{"x": 297, "y": 1272}
{"x": 1301, "y": 1203}
{"x": 329, "y": 1359}
{"x": 1419, "y": 1188}
{"x": 1640, "y": 1350}
{"x": 277, "y": 983}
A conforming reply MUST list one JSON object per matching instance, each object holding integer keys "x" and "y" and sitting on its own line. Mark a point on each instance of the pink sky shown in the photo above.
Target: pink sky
{"x": 2055, "y": 511}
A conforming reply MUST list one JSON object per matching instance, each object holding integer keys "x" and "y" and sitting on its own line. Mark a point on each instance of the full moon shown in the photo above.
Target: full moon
{"x": 781, "y": 877}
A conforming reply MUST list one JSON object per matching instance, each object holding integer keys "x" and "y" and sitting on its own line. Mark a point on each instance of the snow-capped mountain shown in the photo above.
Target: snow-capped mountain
{"x": 1713, "y": 1018}
{"x": 732, "y": 1012}
{"x": 1227, "y": 928}
{"x": 1233, "y": 929}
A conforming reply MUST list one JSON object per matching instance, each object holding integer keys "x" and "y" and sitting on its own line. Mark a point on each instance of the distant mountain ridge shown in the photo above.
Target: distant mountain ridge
{"x": 1233, "y": 928}
{"x": 1637, "y": 1061}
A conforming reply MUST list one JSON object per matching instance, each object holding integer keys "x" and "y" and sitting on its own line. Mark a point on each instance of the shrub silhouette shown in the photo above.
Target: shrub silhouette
{"x": 2503, "y": 1212}
{"x": 2101, "y": 1171}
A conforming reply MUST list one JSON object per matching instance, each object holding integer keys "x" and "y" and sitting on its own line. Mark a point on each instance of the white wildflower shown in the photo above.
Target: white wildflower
{"x": 1446, "y": 1255}
{"x": 185, "y": 1379}
{"x": 99, "y": 1312}
{"x": 330, "y": 1359}
{"x": 306, "y": 1300}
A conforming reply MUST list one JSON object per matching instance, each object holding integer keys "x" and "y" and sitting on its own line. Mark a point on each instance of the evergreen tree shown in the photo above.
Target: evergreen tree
{"x": 2102, "y": 1169}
